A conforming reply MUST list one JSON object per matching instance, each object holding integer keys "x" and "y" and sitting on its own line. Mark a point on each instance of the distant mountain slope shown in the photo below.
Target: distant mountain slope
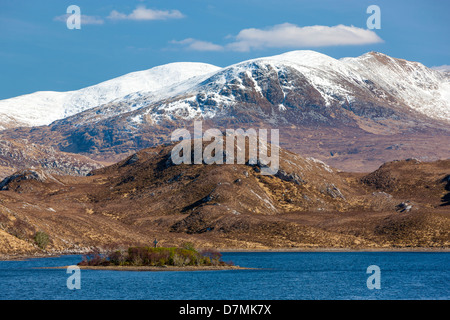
{"x": 42, "y": 108}
{"x": 419, "y": 87}
{"x": 20, "y": 155}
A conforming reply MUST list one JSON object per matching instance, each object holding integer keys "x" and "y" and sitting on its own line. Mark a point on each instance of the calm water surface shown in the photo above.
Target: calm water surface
{"x": 293, "y": 275}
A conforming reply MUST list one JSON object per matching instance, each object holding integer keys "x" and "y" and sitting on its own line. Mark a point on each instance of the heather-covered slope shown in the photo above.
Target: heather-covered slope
{"x": 305, "y": 205}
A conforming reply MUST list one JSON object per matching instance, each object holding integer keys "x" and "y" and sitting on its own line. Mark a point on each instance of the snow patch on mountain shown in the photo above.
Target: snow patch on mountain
{"x": 44, "y": 107}
{"x": 421, "y": 88}
{"x": 397, "y": 82}
{"x": 324, "y": 73}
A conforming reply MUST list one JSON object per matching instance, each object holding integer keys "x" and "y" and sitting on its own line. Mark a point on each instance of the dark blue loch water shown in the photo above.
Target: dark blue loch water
{"x": 293, "y": 275}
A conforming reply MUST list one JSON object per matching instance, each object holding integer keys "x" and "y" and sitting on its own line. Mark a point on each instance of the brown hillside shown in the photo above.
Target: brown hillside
{"x": 305, "y": 205}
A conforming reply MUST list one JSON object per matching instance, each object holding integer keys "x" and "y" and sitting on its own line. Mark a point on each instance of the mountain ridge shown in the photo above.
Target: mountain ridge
{"x": 333, "y": 110}
{"x": 44, "y": 107}
{"x": 130, "y": 86}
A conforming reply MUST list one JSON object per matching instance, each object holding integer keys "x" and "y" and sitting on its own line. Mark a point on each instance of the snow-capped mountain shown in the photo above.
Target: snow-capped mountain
{"x": 44, "y": 107}
{"x": 331, "y": 109}
{"x": 421, "y": 88}
{"x": 373, "y": 77}
{"x": 190, "y": 90}
{"x": 279, "y": 84}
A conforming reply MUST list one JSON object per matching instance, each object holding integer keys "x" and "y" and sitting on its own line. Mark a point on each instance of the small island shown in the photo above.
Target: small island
{"x": 186, "y": 258}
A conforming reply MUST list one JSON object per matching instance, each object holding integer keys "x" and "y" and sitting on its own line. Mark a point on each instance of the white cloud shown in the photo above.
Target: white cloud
{"x": 444, "y": 67}
{"x": 198, "y": 45}
{"x": 142, "y": 13}
{"x": 289, "y": 35}
{"x": 84, "y": 19}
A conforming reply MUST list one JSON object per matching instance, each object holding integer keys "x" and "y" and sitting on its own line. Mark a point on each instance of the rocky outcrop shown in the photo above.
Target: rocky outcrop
{"x": 405, "y": 206}
{"x": 291, "y": 177}
{"x": 36, "y": 175}
{"x": 19, "y": 154}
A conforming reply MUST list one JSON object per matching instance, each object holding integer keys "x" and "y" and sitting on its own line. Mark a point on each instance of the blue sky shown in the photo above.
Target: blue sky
{"x": 38, "y": 52}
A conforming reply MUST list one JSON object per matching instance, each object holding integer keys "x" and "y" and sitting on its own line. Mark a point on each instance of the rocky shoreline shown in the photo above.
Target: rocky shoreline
{"x": 163, "y": 268}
